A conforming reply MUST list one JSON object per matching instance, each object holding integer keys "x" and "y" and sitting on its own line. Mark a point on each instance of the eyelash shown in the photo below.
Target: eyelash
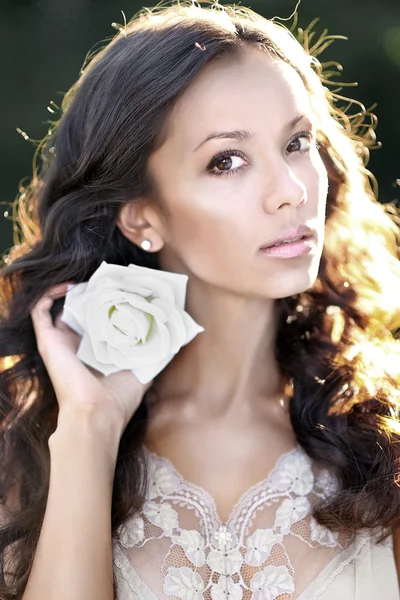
{"x": 232, "y": 152}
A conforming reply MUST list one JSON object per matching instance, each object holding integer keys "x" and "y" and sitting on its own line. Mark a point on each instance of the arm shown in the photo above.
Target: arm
{"x": 74, "y": 554}
{"x": 73, "y": 558}
{"x": 396, "y": 549}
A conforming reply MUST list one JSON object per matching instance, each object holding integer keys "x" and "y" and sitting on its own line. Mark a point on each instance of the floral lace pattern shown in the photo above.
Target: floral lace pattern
{"x": 253, "y": 555}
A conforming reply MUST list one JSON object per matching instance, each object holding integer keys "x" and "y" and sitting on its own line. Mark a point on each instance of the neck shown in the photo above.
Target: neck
{"x": 232, "y": 363}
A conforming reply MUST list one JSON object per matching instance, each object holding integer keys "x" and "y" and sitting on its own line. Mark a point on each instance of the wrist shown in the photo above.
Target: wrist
{"x": 89, "y": 426}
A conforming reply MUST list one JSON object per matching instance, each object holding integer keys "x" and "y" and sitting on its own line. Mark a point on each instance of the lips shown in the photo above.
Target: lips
{"x": 290, "y": 235}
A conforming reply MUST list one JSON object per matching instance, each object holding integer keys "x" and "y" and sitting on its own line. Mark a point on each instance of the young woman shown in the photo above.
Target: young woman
{"x": 262, "y": 461}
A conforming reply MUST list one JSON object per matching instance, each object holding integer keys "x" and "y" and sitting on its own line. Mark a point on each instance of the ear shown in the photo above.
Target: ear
{"x": 139, "y": 221}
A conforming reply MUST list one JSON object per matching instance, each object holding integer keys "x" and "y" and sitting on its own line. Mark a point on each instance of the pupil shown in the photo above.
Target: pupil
{"x": 224, "y": 164}
{"x": 295, "y": 145}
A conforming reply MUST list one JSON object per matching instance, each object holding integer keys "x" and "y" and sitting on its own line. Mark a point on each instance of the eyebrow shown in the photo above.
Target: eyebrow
{"x": 243, "y": 135}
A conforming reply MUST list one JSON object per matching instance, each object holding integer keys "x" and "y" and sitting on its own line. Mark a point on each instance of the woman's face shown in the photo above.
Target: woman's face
{"x": 230, "y": 194}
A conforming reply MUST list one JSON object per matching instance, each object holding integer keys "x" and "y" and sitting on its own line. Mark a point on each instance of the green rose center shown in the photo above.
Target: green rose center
{"x": 132, "y": 322}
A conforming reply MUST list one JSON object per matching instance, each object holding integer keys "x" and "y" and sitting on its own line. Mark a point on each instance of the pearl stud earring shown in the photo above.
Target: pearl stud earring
{"x": 146, "y": 245}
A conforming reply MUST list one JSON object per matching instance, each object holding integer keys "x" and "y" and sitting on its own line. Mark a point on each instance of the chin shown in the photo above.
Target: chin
{"x": 294, "y": 283}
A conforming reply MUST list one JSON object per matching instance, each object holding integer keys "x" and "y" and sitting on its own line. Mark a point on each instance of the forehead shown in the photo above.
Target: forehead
{"x": 251, "y": 90}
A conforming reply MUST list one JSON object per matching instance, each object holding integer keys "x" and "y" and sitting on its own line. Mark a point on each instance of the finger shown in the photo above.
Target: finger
{"x": 40, "y": 313}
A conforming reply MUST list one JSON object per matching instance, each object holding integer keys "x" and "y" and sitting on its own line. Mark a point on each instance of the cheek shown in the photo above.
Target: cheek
{"x": 206, "y": 235}
{"x": 197, "y": 226}
{"x": 318, "y": 182}
{"x": 323, "y": 187}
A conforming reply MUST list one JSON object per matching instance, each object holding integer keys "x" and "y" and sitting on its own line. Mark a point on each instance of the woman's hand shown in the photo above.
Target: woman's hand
{"x": 80, "y": 388}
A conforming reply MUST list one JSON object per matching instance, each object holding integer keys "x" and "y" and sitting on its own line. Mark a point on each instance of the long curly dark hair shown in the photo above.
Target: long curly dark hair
{"x": 337, "y": 340}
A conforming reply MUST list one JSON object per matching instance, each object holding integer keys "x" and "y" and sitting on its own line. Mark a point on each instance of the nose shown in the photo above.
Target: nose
{"x": 283, "y": 188}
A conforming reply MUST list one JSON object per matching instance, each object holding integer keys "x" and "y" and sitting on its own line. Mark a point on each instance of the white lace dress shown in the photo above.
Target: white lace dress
{"x": 269, "y": 548}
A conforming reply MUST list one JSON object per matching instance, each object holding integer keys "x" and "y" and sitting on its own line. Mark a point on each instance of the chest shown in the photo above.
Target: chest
{"x": 268, "y": 536}
{"x": 224, "y": 461}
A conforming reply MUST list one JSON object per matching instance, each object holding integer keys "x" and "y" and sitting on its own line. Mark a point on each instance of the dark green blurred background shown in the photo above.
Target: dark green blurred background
{"x": 44, "y": 42}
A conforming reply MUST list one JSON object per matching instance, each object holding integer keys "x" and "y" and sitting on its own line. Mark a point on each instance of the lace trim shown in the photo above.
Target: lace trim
{"x": 188, "y": 485}
{"x": 193, "y": 491}
{"x": 210, "y": 556}
{"x": 129, "y": 573}
{"x": 136, "y": 583}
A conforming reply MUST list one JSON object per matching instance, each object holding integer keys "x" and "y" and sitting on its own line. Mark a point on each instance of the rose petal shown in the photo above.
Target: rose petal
{"x": 131, "y": 322}
{"x": 148, "y": 307}
{"x": 100, "y": 350}
{"x": 86, "y": 355}
{"x": 165, "y": 306}
{"x": 157, "y": 287}
{"x": 177, "y": 329}
{"x": 121, "y": 286}
{"x": 69, "y": 318}
{"x": 126, "y": 345}
{"x": 146, "y": 374}
{"x": 178, "y": 281}
{"x": 98, "y": 314}
{"x": 157, "y": 348}
{"x": 110, "y": 298}
{"x": 73, "y": 310}
{"x": 105, "y": 270}
{"x": 192, "y": 328}
{"x": 130, "y": 318}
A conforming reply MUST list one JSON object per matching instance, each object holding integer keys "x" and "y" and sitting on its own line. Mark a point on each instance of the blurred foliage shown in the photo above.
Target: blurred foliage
{"x": 43, "y": 44}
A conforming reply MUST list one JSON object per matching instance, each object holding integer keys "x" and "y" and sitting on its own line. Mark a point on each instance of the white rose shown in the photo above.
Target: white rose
{"x": 130, "y": 318}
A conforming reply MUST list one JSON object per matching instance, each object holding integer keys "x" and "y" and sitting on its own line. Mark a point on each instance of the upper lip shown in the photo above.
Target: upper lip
{"x": 289, "y": 234}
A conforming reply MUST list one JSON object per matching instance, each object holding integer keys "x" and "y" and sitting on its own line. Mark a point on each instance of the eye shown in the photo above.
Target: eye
{"x": 227, "y": 163}
{"x": 302, "y": 142}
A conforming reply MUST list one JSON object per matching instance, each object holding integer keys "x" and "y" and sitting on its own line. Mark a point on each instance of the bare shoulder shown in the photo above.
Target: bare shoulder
{"x": 396, "y": 550}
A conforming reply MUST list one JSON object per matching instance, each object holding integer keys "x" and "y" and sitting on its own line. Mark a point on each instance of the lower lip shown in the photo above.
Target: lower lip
{"x": 299, "y": 248}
